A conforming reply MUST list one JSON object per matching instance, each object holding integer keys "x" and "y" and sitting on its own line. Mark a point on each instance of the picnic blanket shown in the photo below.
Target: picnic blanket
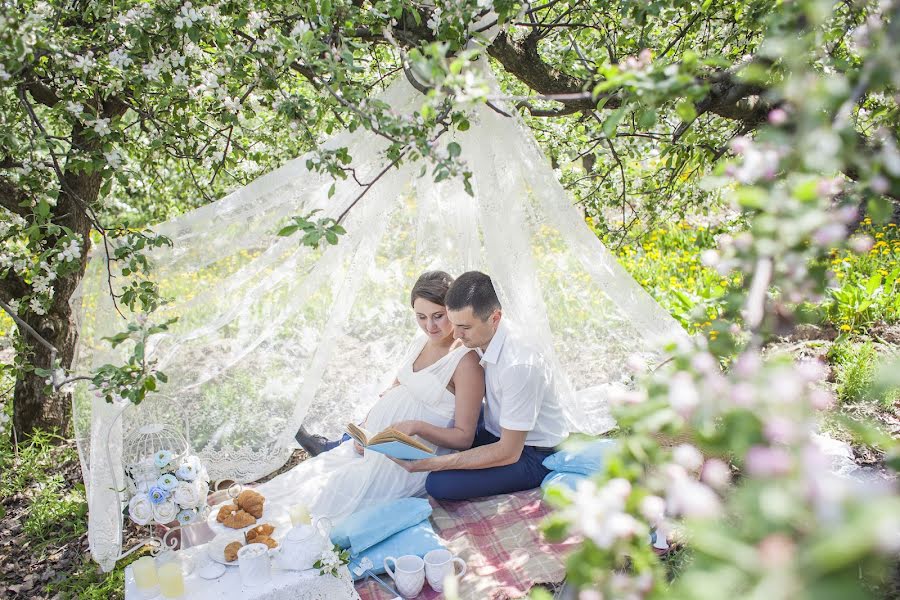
{"x": 500, "y": 539}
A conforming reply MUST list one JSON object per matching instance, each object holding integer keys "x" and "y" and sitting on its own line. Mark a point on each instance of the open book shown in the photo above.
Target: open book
{"x": 390, "y": 442}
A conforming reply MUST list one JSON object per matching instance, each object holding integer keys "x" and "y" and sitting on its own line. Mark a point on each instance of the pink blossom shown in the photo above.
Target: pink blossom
{"x": 812, "y": 370}
{"x": 653, "y": 508}
{"x": 692, "y": 499}
{"x": 688, "y": 457}
{"x": 747, "y": 365}
{"x": 764, "y": 461}
{"x": 743, "y": 395}
{"x": 740, "y": 144}
{"x": 780, "y": 430}
{"x": 777, "y": 116}
{"x": 847, "y": 214}
{"x": 861, "y": 243}
{"x": 636, "y": 363}
{"x": 683, "y": 394}
{"x": 776, "y": 550}
{"x": 704, "y": 362}
{"x": 880, "y": 184}
{"x": 716, "y": 473}
{"x": 829, "y": 234}
{"x": 821, "y": 399}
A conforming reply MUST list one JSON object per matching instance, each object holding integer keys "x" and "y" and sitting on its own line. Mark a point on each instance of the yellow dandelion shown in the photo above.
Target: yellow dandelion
{"x": 845, "y": 327}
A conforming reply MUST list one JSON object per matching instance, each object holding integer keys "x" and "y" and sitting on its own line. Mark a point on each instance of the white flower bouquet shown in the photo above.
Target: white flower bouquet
{"x": 165, "y": 488}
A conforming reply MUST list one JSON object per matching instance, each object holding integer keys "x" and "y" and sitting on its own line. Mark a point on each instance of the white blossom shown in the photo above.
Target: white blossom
{"x": 187, "y": 17}
{"x": 4, "y": 74}
{"x": 75, "y": 108}
{"x": 101, "y": 126}
{"x": 84, "y": 62}
{"x": 119, "y": 59}
{"x": 113, "y": 158}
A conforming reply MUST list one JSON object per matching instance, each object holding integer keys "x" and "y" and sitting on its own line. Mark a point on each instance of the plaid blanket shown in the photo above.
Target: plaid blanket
{"x": 499, "y": 537}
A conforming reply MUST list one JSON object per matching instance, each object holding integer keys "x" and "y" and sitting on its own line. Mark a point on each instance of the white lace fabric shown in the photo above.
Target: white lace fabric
{"x": 271, "y": 334}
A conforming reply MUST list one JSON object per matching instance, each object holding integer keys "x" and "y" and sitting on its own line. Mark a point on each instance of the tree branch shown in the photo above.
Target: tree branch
{"x": 11, "y": 197}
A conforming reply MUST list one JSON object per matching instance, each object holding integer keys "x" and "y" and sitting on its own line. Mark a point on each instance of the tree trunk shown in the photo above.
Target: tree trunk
{"x": 33, "y": 407}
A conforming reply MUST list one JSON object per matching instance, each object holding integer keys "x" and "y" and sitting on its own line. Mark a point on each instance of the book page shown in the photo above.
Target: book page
{"x": 359, "y": 434}
{"x": 392, "y": 435}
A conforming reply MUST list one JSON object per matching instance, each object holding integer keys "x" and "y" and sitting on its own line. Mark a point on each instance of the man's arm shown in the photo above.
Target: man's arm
{"x": 506, "y": 451}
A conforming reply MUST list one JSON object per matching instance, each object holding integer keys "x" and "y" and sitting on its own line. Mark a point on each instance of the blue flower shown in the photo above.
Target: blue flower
{"x": 158, "y": 495}
{"x": 189, "y": 469}
{"x": 187, "y": 516}
{"x": 167, "y": 482}
{"x": 162, "y": 458}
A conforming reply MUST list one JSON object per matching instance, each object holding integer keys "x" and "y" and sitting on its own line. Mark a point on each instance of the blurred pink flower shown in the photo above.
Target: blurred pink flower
{"x": 777, "y": 116}
{"x": 716, "y": 473}
{"x": 765, "y": 461}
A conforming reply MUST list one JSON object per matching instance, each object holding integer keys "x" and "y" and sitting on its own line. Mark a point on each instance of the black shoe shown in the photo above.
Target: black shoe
{"x": 313, "y": 444}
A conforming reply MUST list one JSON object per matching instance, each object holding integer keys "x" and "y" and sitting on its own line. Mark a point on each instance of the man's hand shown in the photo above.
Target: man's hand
{"x": 407, "y": 427}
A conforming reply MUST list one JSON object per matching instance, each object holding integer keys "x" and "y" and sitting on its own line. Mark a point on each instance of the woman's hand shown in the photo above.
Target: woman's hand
{"x": 359, "y": 449}
{"x": 407, "y": 427}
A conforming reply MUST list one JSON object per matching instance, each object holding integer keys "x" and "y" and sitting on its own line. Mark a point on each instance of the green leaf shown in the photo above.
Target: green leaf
{"x": 453, "y": 149}
{"x": 880, "y": 209}
{"x": 289, "y": 230}
{"x": 686, "y": 111}
{"x": 612, "y": 121}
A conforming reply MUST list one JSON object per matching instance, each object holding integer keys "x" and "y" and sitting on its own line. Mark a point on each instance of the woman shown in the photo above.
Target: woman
{"x": 436, "y": 395}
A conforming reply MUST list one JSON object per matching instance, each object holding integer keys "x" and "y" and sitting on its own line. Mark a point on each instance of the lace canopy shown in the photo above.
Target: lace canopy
{"x": 271, "y": 334}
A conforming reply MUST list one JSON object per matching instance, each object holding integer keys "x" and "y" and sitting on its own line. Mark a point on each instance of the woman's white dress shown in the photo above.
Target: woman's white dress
{"x": 336, "y": 482}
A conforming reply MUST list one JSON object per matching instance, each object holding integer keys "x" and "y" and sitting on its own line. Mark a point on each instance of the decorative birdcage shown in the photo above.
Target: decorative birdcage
{"x": 164, "y": 483}
{"x": 139, "y": 452}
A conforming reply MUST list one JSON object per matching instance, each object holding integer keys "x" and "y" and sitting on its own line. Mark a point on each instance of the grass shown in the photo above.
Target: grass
{"x": 856, "y": 364}
{"x": 56, "y": 514}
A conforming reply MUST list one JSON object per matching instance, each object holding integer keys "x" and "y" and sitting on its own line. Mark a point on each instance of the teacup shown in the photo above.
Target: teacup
{"x": 439, "y": 564}
{"x": 408, "y": 574}
{"x": 253, "y": 564}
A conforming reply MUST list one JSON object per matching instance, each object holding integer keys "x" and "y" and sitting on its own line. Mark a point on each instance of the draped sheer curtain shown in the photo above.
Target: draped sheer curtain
{"x": 271, "y": 334}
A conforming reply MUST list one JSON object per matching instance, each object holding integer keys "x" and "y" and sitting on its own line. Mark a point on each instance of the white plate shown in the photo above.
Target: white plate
{"x": 273, "y": 514}
{"x": 216, "y": 548}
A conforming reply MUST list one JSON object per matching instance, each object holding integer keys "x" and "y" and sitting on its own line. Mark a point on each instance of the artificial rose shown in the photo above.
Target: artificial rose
{"x": 140, "y": 509}
{"x": 187, "y": 495}
{"x": 189, "y": 469}
{"x": 162, "y": 458}
{"x": 165, "y": 512}
{"x": 167, "y": 482}
{"x": 187, "y": 516}
{"x": 158, "y": 495}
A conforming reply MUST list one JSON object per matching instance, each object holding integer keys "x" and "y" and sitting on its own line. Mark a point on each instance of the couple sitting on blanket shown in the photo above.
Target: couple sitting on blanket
{"x": 469, "y": 352}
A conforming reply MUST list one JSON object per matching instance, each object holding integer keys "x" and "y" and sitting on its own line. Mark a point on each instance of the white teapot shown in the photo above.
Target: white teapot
{"x": 303, "y": 545}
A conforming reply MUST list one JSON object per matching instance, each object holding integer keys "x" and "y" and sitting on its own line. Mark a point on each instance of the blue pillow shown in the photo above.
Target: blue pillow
{"x": 420, "y": 539}
{"x": 365, "y": 528}
{"x": 569, "y": 480}
{"x": 584, "y": 458}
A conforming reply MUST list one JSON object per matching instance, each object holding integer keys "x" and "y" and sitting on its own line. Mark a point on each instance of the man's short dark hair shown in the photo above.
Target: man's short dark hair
{"x": 475, "y": 289}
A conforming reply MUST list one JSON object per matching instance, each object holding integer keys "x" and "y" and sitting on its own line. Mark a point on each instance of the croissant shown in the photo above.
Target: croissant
{"x": 231, "y": 551}
{"x": 251, "y": 502}
{"x": 264, "y": 539}
{"x": 239, "y": 520}
{"x": 260, "y": 530}
{"x": 226, "y": 511}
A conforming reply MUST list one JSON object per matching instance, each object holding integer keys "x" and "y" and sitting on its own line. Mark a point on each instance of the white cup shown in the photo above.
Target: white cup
{"x": 253, "y": 563}
{"x": 408, "y": 574}
{"x": 439, "y": 564}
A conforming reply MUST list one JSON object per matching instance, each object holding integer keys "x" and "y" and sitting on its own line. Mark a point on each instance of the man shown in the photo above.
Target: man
{"x": 522, "y": 419}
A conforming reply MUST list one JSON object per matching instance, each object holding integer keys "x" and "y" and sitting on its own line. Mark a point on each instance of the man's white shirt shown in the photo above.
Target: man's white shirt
{"x": 520, "y": 394}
